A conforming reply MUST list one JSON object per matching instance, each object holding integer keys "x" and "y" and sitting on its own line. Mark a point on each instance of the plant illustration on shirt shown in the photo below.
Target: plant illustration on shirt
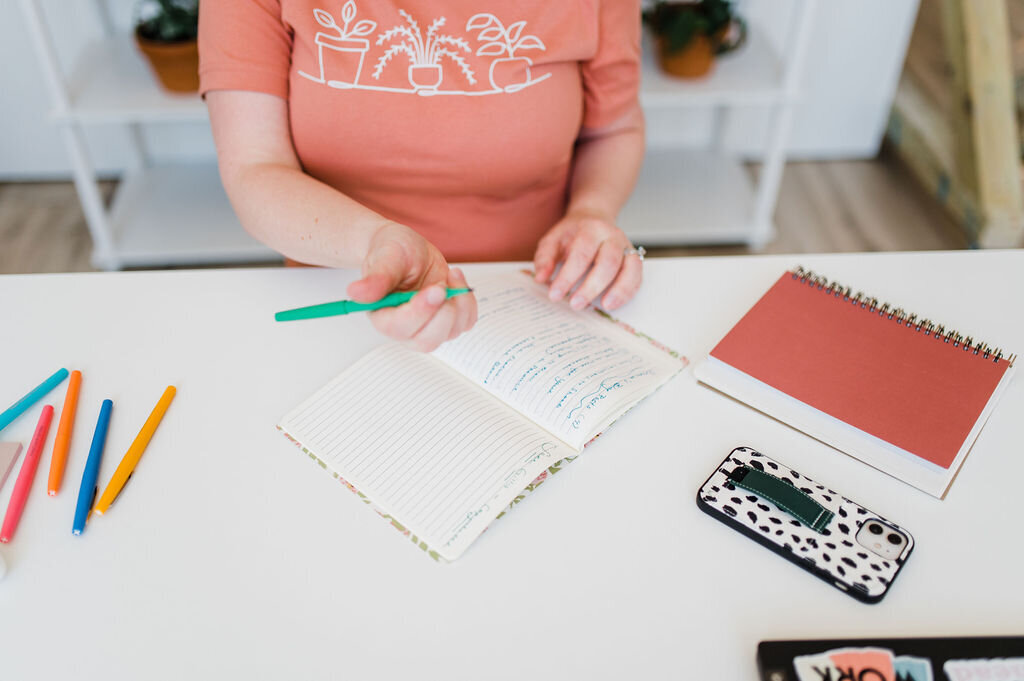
{"x": 424, "y": 53}
{"x": 347, "y": 49}
{"x": 341, "y": 53}
{"x": 509, "y": 73}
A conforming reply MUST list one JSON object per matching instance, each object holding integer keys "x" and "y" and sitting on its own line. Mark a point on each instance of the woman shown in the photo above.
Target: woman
{"x": 399, "y": 135}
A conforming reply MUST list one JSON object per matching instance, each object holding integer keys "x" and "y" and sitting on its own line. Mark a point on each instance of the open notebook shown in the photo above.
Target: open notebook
{"x": 444, "y": 443}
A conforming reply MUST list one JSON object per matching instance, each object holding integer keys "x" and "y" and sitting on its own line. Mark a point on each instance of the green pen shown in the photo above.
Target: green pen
{"x": 346, "y": 306}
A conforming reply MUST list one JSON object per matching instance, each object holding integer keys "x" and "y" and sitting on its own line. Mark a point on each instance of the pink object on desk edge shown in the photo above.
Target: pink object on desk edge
{"x": 9, "y": 452}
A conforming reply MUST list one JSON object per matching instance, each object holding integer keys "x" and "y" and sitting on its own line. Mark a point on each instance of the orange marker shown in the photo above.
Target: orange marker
{"x": 63, "y": 440}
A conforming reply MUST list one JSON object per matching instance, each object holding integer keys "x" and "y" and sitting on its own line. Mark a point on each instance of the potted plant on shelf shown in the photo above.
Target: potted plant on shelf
{"x": 690, "y": 34}
{"x": 166, "y": 33}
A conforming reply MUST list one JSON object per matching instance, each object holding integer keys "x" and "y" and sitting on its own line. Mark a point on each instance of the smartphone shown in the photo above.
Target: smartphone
{"x": 852, "y": 548}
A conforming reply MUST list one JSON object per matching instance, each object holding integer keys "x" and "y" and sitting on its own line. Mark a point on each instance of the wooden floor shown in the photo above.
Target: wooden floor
{"x": 842, "y": 206}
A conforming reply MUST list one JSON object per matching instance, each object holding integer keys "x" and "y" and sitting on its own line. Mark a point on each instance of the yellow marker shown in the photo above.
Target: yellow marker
{"x": 134, "y": 453}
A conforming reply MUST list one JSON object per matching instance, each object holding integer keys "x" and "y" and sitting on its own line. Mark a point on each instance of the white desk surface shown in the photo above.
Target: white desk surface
{"x": 232, "y": 555}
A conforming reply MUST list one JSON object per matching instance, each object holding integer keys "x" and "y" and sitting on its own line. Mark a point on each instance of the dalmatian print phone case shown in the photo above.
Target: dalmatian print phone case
{"x": 840, "y": 541}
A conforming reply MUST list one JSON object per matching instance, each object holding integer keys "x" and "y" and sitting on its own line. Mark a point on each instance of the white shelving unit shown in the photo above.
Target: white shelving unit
{"x": 705, "y": 196}
{"x": 161, "y": 214}
{"x": 111, "y": 83}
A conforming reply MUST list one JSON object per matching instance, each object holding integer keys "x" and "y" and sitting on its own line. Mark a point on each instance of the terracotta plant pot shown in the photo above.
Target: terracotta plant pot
{"x": 694, "y": 60}
{"x": 176, "y": 65}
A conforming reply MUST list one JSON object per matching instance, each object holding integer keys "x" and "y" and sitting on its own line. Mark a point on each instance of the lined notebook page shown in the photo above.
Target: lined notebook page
{"x": 424, "y": 444}
{"x": 571, "y": 372}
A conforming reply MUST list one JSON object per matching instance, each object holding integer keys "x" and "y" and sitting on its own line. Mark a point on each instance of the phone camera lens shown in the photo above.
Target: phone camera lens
{"x": 875, "y": 528}
{"x": 895, "y": 539}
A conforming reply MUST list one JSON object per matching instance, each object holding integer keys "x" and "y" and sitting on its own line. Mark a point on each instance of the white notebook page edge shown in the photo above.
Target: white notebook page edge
{"x": 874, "y": 451}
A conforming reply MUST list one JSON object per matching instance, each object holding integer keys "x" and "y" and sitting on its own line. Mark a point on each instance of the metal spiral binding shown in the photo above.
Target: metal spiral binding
{"x": 901, "y": 316}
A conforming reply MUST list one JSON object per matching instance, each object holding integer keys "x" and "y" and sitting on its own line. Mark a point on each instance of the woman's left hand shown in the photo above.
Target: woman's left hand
{"x": 593, "y": 253}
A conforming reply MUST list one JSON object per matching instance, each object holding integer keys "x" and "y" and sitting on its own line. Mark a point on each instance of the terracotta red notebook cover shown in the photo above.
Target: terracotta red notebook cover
{"x": 861, "y": 367}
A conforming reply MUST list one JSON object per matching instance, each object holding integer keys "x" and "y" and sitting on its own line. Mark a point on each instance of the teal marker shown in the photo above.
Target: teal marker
{"x": 346, "y": 306}
{"x": 19, "y": 407}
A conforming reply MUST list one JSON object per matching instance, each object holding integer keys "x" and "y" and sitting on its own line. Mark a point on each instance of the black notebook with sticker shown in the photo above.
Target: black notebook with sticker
{"x": 896, "y": 659}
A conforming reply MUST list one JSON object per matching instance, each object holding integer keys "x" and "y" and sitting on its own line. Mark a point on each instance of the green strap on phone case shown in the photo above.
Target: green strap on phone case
{"x": 784, "y": 495}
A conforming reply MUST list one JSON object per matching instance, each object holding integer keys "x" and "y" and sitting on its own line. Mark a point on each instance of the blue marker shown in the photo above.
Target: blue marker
{"x": 87, "y": 492}
{"x": 19, "y": 407}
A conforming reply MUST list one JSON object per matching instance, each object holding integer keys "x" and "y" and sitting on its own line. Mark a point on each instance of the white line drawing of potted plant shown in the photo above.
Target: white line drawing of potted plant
{"x": 509, "y": 73}
{"x": 346, "y": 50}
{"x": 425, "y": 72}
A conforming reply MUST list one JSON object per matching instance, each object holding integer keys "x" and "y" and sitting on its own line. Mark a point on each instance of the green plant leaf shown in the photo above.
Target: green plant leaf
{"x": 172, "y": 21}
{"x": 678, "y": 22}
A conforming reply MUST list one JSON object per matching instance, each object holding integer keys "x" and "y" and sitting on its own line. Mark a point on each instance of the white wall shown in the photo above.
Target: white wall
{"x": 30, "y": 146}
{"x": 854, "y": 59}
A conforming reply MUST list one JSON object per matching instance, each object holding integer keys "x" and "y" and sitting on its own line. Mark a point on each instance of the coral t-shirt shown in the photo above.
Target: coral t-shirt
{"x": 458, "y": 122}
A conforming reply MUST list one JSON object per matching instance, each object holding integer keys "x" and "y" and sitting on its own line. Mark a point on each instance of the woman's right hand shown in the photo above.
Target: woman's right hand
{"x": 399, "y": 259}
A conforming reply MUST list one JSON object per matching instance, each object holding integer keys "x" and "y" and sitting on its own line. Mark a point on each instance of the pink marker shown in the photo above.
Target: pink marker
{"x": 26, "y": 475}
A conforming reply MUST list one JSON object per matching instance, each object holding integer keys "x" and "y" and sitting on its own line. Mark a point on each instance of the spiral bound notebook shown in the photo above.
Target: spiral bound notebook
{"x": 902, "y": 394}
